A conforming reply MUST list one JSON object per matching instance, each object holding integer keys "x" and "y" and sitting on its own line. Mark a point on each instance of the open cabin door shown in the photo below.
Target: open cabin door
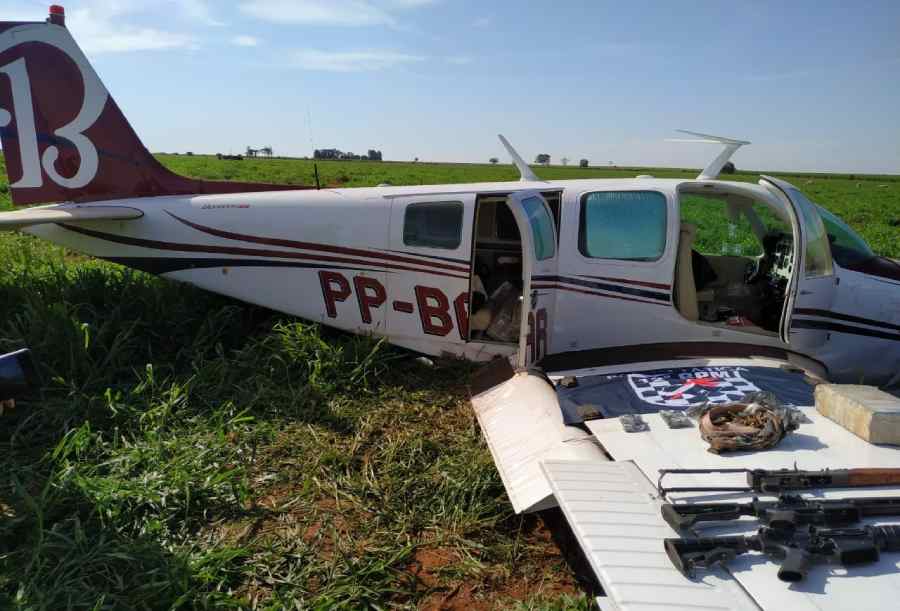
{"x": 539, "y": 270}
{"x": 812, "y": 287}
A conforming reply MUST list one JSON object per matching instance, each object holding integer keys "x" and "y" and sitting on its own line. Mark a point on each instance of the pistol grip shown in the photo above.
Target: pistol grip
{"x": 795, "y": 565}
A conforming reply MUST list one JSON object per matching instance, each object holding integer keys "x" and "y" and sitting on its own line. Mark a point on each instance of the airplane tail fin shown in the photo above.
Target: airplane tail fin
{"x": 64, "y": 138}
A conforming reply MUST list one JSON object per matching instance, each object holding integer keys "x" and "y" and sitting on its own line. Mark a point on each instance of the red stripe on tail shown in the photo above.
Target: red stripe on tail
{"x": 64, "y": 137}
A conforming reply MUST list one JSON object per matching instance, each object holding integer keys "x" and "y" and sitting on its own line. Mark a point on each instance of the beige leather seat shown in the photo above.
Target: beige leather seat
{"x": 685, "y": 289}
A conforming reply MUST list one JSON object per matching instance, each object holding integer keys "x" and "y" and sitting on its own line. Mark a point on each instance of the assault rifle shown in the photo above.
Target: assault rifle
{"x": 788, "y": 512}
{"x": 775, "y": 481}
{"x": 796, "y": 550}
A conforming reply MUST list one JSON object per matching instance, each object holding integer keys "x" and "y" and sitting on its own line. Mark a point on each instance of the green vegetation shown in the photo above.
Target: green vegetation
{"x": 190, "y": 451}
{"x": 717, "y": 234}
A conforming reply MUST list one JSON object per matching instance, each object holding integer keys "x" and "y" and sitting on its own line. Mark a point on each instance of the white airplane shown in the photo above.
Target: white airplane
{"x": 570, "y": 270}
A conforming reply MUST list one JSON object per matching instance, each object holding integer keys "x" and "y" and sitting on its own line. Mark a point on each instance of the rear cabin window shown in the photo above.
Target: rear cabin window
{"x": 625, "y": 225}
{"x": 433, "y": 225}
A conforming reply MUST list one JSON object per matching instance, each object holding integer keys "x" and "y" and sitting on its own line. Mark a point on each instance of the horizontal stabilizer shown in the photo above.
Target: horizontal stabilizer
{"x": 711, "y": 171}
{"x": 66, "y": 214}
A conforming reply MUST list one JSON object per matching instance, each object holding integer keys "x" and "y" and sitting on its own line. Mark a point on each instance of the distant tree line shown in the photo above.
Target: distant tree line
{"x": 544, "y": 159}
{"x": 372, "y": 155}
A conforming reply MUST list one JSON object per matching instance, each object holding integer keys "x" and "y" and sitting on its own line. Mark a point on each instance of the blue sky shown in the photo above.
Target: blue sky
{"x": 814, "y": 85}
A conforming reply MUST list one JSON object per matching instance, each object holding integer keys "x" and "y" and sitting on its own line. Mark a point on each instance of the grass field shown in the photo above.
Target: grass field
{"x": 189, "y": 451}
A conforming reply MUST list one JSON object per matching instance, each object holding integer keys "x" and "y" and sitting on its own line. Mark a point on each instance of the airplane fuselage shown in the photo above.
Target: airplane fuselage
{"x": 344, "y": 258}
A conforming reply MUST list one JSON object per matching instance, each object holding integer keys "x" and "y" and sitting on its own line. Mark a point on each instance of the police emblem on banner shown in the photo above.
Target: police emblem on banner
{"x": 683, "y": 388}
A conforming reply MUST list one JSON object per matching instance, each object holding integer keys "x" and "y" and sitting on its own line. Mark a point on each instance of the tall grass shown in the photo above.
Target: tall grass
{"x": 189, "y": 451}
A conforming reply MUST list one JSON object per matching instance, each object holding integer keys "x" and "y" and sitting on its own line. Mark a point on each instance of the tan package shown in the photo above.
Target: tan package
{"x": 872, "y": 414}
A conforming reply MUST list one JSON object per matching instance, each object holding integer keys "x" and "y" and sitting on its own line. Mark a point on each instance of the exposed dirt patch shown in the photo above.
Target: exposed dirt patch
{"x": 482, "y": 597}
{"x": 540, "y": 571}
{"x": 428, "y": 562}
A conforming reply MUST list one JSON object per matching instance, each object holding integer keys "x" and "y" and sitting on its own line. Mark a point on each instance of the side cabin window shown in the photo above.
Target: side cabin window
{"x": 541, "y": 228}
{"x": 625, "y": 225}
{"x": 433, "y": 225}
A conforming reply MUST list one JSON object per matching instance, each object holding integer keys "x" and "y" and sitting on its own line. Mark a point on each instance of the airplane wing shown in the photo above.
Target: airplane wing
{"x": 18, "y": 219}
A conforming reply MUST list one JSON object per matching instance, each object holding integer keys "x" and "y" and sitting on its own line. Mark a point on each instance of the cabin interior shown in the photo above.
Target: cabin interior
{"x": 496, "y": 290}
{"x": 735, "y": 260}
{"x": 733, "y": 268}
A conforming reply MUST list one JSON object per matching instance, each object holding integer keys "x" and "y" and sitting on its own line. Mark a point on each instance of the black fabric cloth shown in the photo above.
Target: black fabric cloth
{"x": 703, "y": 271}
{"x": 648, "y": 392}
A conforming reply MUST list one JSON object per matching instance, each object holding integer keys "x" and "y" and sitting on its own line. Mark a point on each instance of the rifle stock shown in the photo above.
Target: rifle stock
{"x": 687, "y": 515}
{"x": 686, "y": 554}
{"x": 872, "y": 477}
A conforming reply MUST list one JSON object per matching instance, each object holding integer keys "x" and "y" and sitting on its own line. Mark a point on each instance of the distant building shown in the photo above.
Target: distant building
{"x": 327, "y": 154}
{"x": 265, "y": 151}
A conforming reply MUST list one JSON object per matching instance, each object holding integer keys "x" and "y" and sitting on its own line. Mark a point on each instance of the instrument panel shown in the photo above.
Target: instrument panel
{"x": 782, "y": 261}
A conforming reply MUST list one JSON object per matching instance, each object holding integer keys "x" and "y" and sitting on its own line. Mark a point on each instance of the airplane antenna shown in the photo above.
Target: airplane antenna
{"x": 711, "y": 171}
{"x": 312, "y": 147}
{"x": 525, "y": 173}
